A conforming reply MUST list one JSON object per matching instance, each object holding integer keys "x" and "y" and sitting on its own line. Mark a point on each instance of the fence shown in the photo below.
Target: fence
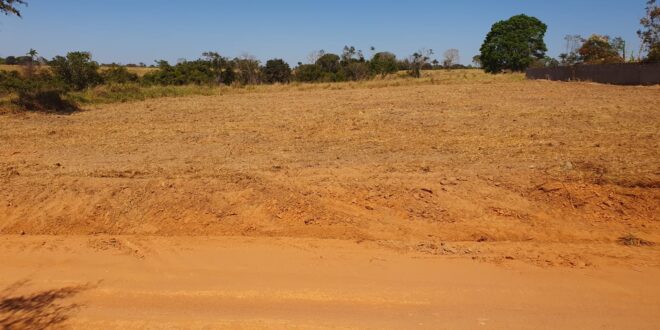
{"x": 616, "y": 74}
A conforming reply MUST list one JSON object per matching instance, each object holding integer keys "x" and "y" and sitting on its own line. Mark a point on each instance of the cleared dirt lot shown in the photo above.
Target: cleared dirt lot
{"x": 502, "y": 172}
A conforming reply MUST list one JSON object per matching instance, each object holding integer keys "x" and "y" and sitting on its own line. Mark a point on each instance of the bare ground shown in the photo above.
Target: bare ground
{"x": 489, "y": 173}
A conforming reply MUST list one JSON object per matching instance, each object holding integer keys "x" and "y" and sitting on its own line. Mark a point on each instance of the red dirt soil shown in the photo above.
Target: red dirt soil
{"x": 495, "y": 172}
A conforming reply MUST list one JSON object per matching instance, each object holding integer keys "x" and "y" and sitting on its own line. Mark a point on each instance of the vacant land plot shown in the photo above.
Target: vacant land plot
{"x": 497, "y": 170}
{"x": 509, "y": 161}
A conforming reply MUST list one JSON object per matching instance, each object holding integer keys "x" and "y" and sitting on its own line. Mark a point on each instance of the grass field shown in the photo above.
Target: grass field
{"x": 455, "y": 156}
{"x": 137, "y": 70}
{"x": 356, "y": 186}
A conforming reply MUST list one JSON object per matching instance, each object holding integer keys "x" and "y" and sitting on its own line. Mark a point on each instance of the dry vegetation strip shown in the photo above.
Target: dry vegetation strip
{"x": 408, "y": 165}
{"x": 140, "y": 71}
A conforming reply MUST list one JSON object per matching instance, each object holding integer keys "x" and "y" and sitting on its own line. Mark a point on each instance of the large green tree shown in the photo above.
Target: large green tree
{"x": 513, "y": 44}
{"x": 8, "y": 7}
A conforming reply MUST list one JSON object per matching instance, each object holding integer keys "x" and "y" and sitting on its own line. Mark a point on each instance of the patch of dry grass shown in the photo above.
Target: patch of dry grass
{"x": 137, "y": 70}
{"x": 632, "y": 240}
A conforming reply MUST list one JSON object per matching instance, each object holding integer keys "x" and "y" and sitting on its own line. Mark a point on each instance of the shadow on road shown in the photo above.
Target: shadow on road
{"x": 40, "y": 310}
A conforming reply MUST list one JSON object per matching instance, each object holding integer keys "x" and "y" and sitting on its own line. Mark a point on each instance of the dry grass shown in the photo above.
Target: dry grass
{"x": 448, "y": 157}
{"x": 632, "y": 240}
{"x": 137, "y": 70}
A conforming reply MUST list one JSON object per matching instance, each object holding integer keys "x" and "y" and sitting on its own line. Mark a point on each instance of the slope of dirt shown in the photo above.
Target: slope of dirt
{"x": 107, "y": 282}
{"x": 411, "y": 167}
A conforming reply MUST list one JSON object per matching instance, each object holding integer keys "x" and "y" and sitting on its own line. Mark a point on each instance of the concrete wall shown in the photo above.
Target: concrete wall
{"x": 616, "y": 74}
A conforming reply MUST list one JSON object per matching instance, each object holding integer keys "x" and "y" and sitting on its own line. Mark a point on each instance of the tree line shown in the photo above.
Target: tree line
{"x": 518, "y": 43}
{"x": 511, "y": 45}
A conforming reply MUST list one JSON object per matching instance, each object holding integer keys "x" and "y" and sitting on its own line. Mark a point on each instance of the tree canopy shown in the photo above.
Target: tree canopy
{"x": 8, "y": 7}
{"x": 599, "y": 50}
{"x": 513, "y": 44}
{"x": 650, "y": 33}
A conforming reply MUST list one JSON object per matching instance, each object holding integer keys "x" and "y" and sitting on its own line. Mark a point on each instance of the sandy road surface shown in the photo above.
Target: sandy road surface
{"x": 132, "y": 282}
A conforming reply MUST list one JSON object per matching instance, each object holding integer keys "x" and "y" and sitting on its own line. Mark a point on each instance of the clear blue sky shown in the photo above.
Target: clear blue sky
{"x": 131, "y": 31}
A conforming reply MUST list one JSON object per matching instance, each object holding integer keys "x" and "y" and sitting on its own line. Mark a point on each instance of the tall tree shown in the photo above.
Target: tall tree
{"x": 573, "y": 44}
{"x": 418, "y": 60}
{"x": 513, "y": 44}
{"x": 650, "y": 32}
{"x": 8, "y": 7}
{"x": 451, "y": 57}
{"x": 599, "y": 50}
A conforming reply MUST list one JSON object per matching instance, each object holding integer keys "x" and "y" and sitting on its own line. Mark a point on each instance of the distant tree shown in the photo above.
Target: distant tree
{"x": 476, "y": 60}
{"x": 620, "y": 46}
{"x": 598, "y": 50}
{"x": 404, "y": 65}
{"x": 451, "y": 58}
{"x": 8, "y": 7}
{"x": 418, "y": 61}
{"x": 383, "y": 63}
{"x": 357, "y": 70}
{"x": 314, "y": 56}
{"x": 308, "y": 73}
{"x": 350, "y": 55}
{"x": 328, "y": 63}
{"x": 571, "y": 56}
{"x": 277, "y": 71}
{"x": 117, "y": 74}
{"x": 545, "y": 62}
{"x": 11, "y": 60}
{"x": 650, "y": 32}
{"x": 513, "y": 44}
{"x": 217, "y": 63}
{"x": 30, "y": 65}
{"x": 247, "y": 68}
{"x": 76, "y": 70}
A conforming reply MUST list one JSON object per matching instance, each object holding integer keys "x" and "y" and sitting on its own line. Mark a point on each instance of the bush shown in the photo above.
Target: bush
{"x": 328, "y": 63}
{"x": 48, "y": 100}
{"x": 384, "y": 63}
{"x": 356, "y": 71}
{"x": 77, "y": 70}
{"x": 116, "y": 74}
{"x": 277, "y": 71}
{"x": 40, "y": 92}
{"x": 308, "y": 73}
{"x": 196, "y": 72}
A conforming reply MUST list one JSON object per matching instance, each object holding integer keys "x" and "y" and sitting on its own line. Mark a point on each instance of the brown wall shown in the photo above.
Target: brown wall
{"x": 617, "y": 74}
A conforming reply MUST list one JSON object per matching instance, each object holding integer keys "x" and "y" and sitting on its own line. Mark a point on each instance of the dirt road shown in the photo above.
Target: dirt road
{"x": 138, "y": 282}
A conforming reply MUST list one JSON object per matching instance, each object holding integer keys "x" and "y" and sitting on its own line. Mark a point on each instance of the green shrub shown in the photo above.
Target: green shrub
{"x": 44, "y": 100}
{"x": 384, "y": 63}
{"x": 328, "y": 63}
{"x": 77, "y": 70}
{"x": 196, "y": 72}
{"x": 40, "y": 92}
{"x": 308, "y": 73}
{"x": 116, "y": 74}
{"x": 277, "y": 71}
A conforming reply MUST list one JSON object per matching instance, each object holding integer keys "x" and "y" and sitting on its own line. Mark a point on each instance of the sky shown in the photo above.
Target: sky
{"x": 133, "y": 31}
